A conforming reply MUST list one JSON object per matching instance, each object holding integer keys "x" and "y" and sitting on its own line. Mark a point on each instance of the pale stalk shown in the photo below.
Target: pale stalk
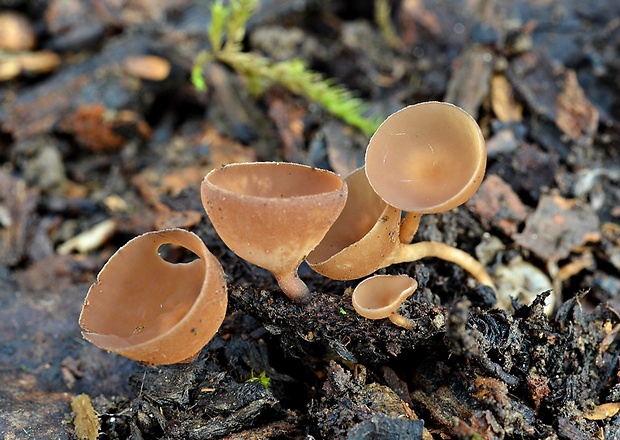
{"x": 293, "y": 286}
{"x": 416, "y": 251}
{"x": 409, "y": 227}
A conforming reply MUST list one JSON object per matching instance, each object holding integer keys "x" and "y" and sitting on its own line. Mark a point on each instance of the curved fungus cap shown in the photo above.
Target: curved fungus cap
{"x": 380, "y": 296}
{"x": 426, "y": 158}
{"x": 361, "y": 237}
{"x": 150, "y": 310}
{"x": 273, "y": 214}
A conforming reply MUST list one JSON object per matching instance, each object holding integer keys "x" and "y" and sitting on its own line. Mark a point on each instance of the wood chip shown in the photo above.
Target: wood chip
{"x": 17, "y": 206}
{"x": 470, "y": 80}
{"x": 557, "y": 227}
{"x": 86, "y": 421}
{"x": 9, "y": 69}
{"x": 28, "y": 63}
{"x": 16, "y": 32}
{"x": 576, "y": 116}
{"x": 90, "y": 239}
{"x": 603, "y": 411}
{"x": 150, "y": 67}
{"x": 505, "y": 107}
{"x": 38, "y": 63}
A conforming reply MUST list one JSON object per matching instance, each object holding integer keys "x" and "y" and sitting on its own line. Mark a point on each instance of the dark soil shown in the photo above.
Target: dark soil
{"x": 85, "y": 142}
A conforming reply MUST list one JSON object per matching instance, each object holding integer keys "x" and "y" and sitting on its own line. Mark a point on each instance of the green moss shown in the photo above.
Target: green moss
{"x": 226, "y": 33}
{"x": 262, "y": 378}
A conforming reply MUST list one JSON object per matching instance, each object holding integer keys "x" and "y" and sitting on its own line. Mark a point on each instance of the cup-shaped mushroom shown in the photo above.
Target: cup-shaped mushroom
{"x": 426, "y": 158}
{"x": 273, "y": 214}
{"x": 363, "y": 235}
{"x": 364, "y": 238}
{"x": 151, "y": 310}
{"x": 380, "y": 296}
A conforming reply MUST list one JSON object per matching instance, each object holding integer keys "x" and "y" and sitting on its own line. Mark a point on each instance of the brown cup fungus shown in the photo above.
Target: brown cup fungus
{"x": 380, "y": 296}
{"x": 150, "y": 310}
{"x": 426, "y": 158}
{"x": 273, "y": 214}
{"x": 364, "y": 238}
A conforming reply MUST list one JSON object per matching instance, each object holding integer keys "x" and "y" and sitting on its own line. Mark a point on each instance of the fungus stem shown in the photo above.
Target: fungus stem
{"x": 423, "y": 249}
{"x": 409, "y": 226}
{"x": 293, "y": 287}
{"x": 401, "y": 321}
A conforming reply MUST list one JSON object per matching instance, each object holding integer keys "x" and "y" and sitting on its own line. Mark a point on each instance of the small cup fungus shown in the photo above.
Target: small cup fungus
{"x": 424, "y": 159}
{"x": 273, "y": 214}
{"x": 150, "y": 310}
{"x": 380, "y": 296}
{"x": 364, "y": 238}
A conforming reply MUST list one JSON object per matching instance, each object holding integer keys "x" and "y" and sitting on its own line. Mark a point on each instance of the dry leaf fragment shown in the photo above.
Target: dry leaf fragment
{"x": 557, "y": 227}
{"x": 98, "y": 128}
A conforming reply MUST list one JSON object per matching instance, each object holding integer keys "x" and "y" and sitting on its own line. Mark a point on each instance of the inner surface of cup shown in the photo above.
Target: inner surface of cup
{"x": 425, "y": 155}
{"x": 152, "y": 310}
{"x": 144, "y": 295}
{"x": 381, "y": 295}
{"x": 362, "y": 236}
{"x": 274, "y": 180}
{"x": 360, "y": 213}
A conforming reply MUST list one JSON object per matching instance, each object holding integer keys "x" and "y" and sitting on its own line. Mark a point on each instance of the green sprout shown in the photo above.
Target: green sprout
{"x": 262, "y": 378}
{"x": 382, "y": 12}
{"x": 343, "y": 311}
{"x": 226, "y": 32}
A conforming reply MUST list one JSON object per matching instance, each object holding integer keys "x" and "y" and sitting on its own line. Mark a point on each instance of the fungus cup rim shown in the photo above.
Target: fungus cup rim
{"x": 256, "y": 165}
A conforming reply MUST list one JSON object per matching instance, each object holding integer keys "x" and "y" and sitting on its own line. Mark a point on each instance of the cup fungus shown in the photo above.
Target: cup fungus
{"x": 380, "y": 296}
{"x": 364, "y": 238}
{"x": 426, "y": 158}
{"x": 273, "y": 214}
{"x": 150, "y": 310}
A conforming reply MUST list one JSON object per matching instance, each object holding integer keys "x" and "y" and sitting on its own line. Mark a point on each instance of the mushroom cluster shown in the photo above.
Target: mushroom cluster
{"x": 425, "y": 158}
